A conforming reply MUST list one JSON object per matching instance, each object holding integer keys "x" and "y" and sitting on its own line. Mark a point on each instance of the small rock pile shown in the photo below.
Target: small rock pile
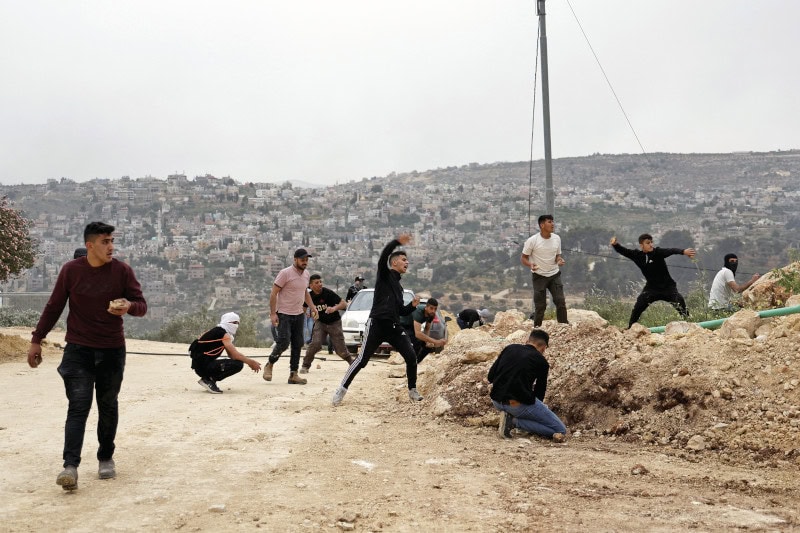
{"x": 734, "y": 391}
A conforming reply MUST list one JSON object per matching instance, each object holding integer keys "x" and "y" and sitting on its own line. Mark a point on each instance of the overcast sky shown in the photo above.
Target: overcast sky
{"x": 326, "y": 91}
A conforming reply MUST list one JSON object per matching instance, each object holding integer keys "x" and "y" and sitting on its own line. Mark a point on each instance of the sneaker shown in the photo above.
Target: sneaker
{"x": 338, "y": 395}
{"x": 294, "y": 379}
{"x": 107, "y": 469}
{"x": 210, "y": 385}
{"x": 303, "y": 370}
{"x": 268, "y": 372}
{"x": 68, "y": 479}
{"x": 414, "y": 395}
{"x": 506, "y": 424}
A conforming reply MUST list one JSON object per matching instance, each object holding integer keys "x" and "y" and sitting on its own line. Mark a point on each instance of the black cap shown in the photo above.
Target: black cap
{"x": 359, "y": 278}
{"x": 301, "y": 252}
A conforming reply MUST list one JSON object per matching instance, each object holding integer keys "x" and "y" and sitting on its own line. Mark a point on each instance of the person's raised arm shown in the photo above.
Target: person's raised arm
{"x": 383, "y": 260}
{"x": 621, "y": 249}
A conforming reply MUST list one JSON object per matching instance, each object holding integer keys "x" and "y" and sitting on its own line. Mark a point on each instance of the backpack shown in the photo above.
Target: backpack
{"x": 194, "y": 352}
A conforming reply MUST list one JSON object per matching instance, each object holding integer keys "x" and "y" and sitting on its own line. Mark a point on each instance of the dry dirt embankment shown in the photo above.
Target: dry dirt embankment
{"x": 734, "y": 393}
{"x": 689, "y": 430}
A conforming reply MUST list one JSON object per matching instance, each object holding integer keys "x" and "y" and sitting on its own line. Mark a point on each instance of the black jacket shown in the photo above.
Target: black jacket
{"x": 652, "y": 265}
{"x": 519, "y": 373}
{"x": 352, "y": 291}
{"x": 388, "y": 300}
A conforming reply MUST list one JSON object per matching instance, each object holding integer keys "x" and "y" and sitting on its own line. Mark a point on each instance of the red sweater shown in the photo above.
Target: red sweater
{"x": 89, "y": 290}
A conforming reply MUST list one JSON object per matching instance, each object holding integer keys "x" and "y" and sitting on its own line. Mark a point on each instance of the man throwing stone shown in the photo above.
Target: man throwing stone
{"x": 383, "y": 324}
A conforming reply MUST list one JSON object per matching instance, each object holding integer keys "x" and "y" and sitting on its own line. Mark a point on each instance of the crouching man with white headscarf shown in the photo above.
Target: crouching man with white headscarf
{"x": 205, "y": 353}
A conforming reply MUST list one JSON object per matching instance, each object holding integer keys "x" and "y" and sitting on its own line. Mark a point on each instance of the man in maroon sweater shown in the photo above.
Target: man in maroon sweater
{"x": 100, "y": 290}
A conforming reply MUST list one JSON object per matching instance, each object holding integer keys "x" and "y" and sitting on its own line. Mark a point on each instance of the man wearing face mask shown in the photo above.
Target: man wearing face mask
{"x": 724, "y": 285}
{"x": 206, "y": 350}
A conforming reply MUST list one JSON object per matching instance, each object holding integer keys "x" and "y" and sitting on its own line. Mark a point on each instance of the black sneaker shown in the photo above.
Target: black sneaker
{"x": 210, "y": 385}
{"x": 506, "y": 424}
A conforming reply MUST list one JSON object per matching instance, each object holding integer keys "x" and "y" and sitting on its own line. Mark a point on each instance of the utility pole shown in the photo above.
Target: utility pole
{"x": 548, "y": 156}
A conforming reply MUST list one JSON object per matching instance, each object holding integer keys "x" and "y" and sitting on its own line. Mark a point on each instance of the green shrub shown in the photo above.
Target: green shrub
{"x": 13, "y": 317}
{"x": 789, "y": 279}
{"x": 618, "y": 311}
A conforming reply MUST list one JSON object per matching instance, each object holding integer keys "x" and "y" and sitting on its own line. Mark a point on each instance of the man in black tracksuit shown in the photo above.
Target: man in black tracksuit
{"x": 383, "y": 324}
{"x": 660, "y": 285}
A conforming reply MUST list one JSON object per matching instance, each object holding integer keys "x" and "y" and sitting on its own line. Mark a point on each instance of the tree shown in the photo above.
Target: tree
{"x": 17, "y": 249}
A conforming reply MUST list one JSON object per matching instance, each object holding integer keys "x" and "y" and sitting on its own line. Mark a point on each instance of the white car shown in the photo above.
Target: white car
{"x": 355, "y": 317}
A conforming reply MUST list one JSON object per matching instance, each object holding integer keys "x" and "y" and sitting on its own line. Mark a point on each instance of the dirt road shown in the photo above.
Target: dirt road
{"x": 278, "y": 457}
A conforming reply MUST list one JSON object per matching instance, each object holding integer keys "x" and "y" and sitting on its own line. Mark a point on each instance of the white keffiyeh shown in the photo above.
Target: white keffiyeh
{"x": 227, "y": 323}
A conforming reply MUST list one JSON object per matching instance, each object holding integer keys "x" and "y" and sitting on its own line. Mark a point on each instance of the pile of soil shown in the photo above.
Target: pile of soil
{"x": 14, "y": 348}
{"x": 734, "y": 392}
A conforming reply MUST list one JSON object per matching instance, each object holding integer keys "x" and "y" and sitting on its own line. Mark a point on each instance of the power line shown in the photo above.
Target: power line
{"x": 533, "y": 124}
{"x": 603, "y": 71}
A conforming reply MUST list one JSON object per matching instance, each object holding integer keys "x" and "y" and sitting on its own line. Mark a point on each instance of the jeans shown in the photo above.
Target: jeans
{"x": 86, "y": 370}
{"x": 541, "y": 284}
{"x": 290, "y": 331}
{"x": 534, "y": 418}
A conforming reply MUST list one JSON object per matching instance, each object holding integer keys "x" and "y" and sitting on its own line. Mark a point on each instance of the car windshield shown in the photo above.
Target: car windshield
{"x": 363, "y": 300}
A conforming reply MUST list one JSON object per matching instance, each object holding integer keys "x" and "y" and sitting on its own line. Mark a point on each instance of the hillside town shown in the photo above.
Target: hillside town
{"x": 217, "y": 242}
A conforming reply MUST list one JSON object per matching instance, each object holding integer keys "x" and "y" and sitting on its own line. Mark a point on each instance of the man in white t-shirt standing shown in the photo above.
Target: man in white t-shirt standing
{"x": 724, "y": 285}
{"x": 542, "y": 254}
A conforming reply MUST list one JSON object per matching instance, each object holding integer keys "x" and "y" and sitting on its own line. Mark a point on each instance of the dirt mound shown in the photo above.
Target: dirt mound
{"x": 771, "y": 290}
{"x": 734, "y": 392}
{"x": 14, "y": 348}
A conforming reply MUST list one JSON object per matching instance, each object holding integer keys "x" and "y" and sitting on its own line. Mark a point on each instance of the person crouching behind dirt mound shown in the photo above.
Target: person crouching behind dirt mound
{"x": 205, "y": 352}
{"x": 383, "y": 324}
{"x": 519, "y": 381}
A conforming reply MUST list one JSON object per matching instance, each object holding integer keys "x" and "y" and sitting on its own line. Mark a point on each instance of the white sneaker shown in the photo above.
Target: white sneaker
{"x": 414, "y": 395}
{"x": 338, "y": 395}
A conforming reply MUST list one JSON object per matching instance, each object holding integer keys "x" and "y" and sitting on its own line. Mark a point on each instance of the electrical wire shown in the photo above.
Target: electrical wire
{"x": 533, "y": 124}
{"x": 603, "y": 71}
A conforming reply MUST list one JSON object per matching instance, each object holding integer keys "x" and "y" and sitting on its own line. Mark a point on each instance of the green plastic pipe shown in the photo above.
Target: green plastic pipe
{"x": 714, "y": 324}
